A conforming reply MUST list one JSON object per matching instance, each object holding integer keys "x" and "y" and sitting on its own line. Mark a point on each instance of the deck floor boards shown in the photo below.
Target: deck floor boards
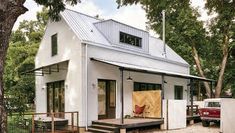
{"x": 132, "y": 122}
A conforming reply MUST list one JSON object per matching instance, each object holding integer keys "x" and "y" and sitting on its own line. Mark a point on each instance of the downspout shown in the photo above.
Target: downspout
{"x": 86, "y": 73}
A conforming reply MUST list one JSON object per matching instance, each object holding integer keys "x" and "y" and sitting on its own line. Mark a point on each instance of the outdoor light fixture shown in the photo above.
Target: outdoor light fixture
{"x": 129, "y": 78}
{"x": 44, "y": 87}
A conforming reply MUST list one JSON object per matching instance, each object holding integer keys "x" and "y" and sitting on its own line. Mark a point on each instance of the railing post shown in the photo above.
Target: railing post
{"x": 72, "y": 122}
{"x": 77, "y": 122}
{"x": 52, "y": 124}
{"x": 33, "y": 123}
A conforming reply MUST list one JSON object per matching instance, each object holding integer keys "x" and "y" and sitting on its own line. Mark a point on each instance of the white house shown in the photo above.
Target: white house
{"x": 81, "y": 59}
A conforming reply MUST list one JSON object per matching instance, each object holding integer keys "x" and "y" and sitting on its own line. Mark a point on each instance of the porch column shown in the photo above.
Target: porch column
{"x": 191, "y": 95}
{"x": 162, "y": 93}
{"x": 211, "y": 89}
{"x": 122, "y": 100}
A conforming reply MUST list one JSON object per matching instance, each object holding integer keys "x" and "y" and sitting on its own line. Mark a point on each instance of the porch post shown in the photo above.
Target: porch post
{"x": 191, "y": 95}
{"x": 211, "y": 89}
{"x": 162, "y": 94}
{"x": 122, "y": 100}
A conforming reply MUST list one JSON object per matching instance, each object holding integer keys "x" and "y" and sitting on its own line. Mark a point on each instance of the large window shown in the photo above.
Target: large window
{"x": 138, "y": 86}
{"x": 130, "y": 39}
{"x": 178, "y": 92}
{"x": 54, "y": 46}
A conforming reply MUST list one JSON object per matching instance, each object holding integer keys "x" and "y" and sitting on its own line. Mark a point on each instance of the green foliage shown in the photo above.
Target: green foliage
{"x": 24, "y": 43}
{"x": 55, "y": 6}
{"x": 184, "y": 30}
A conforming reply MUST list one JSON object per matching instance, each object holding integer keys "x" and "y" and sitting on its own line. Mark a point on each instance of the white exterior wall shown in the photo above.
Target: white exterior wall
{"x": 118, "y": 56}
{"x": 111, "y": 30}
{"x": 227, "y": 117}
{"x": 98, "y": 70}
{"x": 69, "y": 48}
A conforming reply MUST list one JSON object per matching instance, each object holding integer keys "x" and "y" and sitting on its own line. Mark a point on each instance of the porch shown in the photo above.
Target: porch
{"x": 115, "y": 125}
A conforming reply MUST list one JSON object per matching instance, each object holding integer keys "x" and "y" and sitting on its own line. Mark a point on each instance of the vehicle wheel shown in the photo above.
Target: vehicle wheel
{"x": 205, "y": 123}
{"x": 217, "y": 123}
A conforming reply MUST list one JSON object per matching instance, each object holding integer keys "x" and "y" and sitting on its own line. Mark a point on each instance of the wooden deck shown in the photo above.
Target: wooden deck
{"x": 130, "y": 123}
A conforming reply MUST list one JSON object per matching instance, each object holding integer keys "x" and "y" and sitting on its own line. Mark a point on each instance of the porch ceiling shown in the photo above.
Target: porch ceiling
{"x": 144, "y": 69}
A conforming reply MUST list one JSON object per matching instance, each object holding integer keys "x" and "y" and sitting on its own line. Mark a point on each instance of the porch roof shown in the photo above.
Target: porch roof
{"x": 47, "y": 69}
{"x": 144, "y": 69}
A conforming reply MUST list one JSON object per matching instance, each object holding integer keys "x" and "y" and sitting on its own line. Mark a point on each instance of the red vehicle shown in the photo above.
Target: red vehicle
{"x": 210, "y": 112}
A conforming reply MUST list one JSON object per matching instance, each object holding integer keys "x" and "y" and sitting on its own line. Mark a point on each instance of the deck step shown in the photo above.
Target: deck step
{"x": 105, "y": 127}
{"x": 97, "y": 130}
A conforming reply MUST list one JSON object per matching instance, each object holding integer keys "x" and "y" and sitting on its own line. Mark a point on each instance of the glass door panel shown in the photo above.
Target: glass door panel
{"x": 112, "y": 94}
{"x": 49, "y": 97}
{"x": 101, "y": 98}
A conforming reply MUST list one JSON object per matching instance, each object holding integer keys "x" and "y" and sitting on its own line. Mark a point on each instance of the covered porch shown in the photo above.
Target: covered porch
{"x": 124, "y": 67}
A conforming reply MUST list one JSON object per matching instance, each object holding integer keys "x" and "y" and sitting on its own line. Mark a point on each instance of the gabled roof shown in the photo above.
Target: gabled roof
{"x": 84, "y": 27}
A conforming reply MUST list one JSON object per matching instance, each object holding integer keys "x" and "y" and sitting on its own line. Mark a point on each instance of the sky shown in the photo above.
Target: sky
{"x": 132, "y": 15}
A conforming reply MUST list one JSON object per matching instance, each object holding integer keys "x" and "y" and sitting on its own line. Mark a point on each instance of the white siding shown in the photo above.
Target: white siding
{"x": 69, "y": 48}
{"x": 111, "y": 30}
{"x": 118, "y": 56}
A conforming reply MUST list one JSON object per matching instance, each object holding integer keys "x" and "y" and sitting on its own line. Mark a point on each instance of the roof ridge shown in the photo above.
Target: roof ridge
{"x": 83, "y": 14}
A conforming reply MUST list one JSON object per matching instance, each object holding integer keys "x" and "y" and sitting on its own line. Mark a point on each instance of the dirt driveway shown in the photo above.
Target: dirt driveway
{"x": 196, "y": 128}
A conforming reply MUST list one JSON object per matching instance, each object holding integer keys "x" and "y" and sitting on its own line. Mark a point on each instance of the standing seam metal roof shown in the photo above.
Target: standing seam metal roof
{"x": 84, "y": 27}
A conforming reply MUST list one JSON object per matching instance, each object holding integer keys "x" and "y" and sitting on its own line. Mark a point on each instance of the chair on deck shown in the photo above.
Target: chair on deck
{"x": 139, "y": 111}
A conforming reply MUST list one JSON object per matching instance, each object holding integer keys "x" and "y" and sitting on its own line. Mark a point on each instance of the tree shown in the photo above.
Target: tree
{"x": 10, "y": 10}
{"x": 209, "y": 47}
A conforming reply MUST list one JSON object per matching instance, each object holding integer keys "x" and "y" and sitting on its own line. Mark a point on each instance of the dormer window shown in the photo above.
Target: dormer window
{"x": 54, "y": 45}
{"x": 130, "y": 39}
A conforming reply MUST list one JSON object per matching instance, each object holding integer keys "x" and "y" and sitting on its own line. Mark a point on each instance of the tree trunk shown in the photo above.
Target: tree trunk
{"x": 222, "y": 66}
{"x": 9, "y": 12}
{"x": 199, "y": 68}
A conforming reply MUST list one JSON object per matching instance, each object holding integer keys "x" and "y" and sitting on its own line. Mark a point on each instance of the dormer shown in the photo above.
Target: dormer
{"x": 124, "y": 36}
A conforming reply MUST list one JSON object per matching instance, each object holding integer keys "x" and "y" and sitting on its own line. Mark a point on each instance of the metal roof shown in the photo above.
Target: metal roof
{"x": 144, "y": 69}
{"x": 84, "y": 27}
{"x": 156, "y": 49}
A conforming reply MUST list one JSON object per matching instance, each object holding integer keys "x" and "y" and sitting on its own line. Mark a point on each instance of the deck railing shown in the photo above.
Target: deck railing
{"x": 44, "y": 122}
{"x": 195, "y": 110}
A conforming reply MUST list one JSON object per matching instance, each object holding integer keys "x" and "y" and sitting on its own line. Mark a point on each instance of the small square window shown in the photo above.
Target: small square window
{"x": 54, "y": 45}
{"x": 178, "y": 92}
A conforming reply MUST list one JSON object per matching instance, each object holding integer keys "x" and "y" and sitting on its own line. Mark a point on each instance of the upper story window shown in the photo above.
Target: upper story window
{"x": 130, "y": 39}
{"x": 54, "y": 45}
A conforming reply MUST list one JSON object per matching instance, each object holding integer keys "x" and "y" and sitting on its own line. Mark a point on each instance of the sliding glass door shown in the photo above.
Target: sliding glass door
{"x": 55, "y": 97}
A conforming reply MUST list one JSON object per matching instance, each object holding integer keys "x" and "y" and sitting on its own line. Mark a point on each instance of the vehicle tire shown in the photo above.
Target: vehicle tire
{"x": 217, "y": 123}
{"x": 205, "y": 123}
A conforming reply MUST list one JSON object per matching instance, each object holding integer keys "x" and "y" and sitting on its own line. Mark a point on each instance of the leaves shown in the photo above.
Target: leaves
{"x": 184, "y": 30}
{"x": 20, "y": 89}
{"x": 55, "y": 6}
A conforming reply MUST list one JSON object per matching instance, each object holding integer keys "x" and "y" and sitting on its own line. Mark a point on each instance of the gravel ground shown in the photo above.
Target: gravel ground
{"x": 195, "y": 128}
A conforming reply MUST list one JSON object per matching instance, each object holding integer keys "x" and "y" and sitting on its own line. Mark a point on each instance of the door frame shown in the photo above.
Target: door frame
{"x": 107, "y": 98}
